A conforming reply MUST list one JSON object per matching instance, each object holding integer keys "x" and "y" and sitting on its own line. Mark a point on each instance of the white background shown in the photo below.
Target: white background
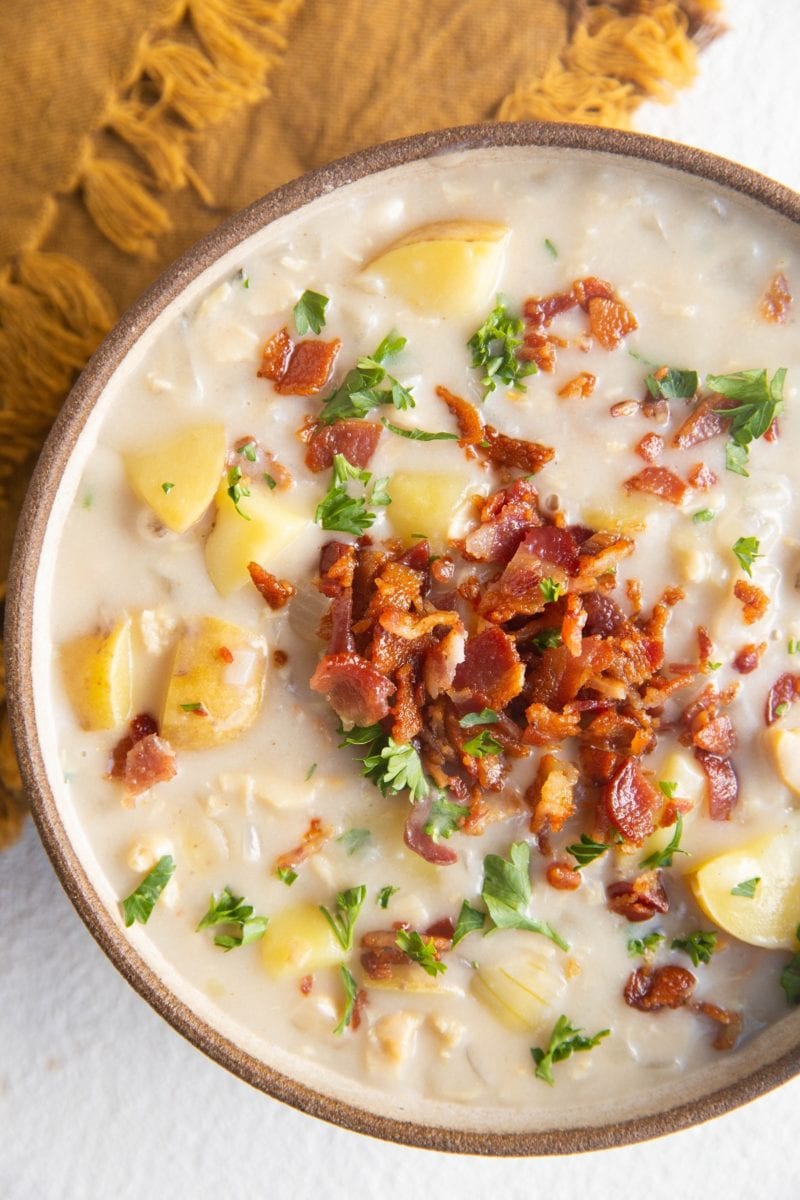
{"x": 101, "y": 1100}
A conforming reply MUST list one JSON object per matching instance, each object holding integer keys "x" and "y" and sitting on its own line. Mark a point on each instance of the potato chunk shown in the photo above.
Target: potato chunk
{"x": 447, "y": 269}
{"x": 425, "y": 502}
{"x": 96, "y": 670}
{"x": 178, "y": 478}
{"x": 769, "y": 916}
{"x": 299, "y": 939}
{"x": 521, "y": 992}
{"x": 268, "y": 527}
{"x": 785, "y": 747}
{"x": 216, "y": 684}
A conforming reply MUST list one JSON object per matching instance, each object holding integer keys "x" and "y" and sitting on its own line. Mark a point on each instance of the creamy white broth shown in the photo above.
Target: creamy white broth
{"x": 692, "y": 265}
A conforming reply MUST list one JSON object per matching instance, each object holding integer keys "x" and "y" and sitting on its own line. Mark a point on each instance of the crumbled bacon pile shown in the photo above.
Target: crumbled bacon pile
{"x": 142, "y": 758}
{"x": 529, "y": 629}
{"x": 609, "y": 321}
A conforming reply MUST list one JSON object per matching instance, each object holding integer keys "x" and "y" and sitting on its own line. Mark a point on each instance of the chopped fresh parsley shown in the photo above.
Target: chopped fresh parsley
{"x": 167, "y": 488}
{"x": 342, "y": 922}
{"x": 668, "y": 787}
{"x": 445, "y": 818}
{"x": 790, "y": 976}
{"x": 194, "y": 706}
{"x": 699, "y": 945}
{"x": 350, "y": 993}
{"x": 782, "y": 708}
{"x": 338, "y": 510}
{"x": 747, "y": 887}
{"x": 420, "y": 951}
{"x": 309, "y": 312}
{"x": 547, "y": 639}
{"x": 392, "y": 766}
{"x": 703, "y": 515}
{"x": 760, "y": 402}
{"x": 793, "y": 646}
{"x": 550, "y": 248}
{"x": 663, "y": 858}
{"x": 564, "y": 1041}
{"x": 227, "y": 909}
{"x": 714, "y": 666}
{"x": 506, "y": 892}
{"x": 354, "y": 839}
{"x": 141, "y": 902}
{"x": 494, "y": 348}
{"x": 469, "y": 920}
{"x": 419, "y": 435}
{"x": 482, "y": 744}
{"x": 286, "y": 875}
{"x": 676, "y": 384}
{"x": 269, "y": 481}
{"x": 642, "y": 947}
{"x": 237, "y": 490}
{"x": 310, "y": 772}
{"x": 746, "y": 550}
{"x": 385, "y": 895}
{"x": 586, "y": 851}
{"x": 368, "y": 385}
{"x": 249, "y": 450}
{"x": 550, "y": 589}
{"x": 487, "y": 716}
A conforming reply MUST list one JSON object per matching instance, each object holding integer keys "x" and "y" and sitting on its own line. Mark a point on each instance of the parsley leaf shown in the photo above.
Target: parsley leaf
{"x": 676, "y": 384}
{"x": 641, "y": 947}
{"x": 368, "y": 385}
{"x": 494, "y": 348}
{"x": 237, "y": 490}
{"x": 167, "y": 488}
{"x": 663, "y": 858}
{"x": 350, "y": 992}
{"x": 228, "y": 909}
{"x": 699, "y": 945}
{"x": 564, "y": 1041}
{"x": 249, "y": 450}
{"x": 586, "y": 851}
{"x": 354, "y": 839}
{"x": 141, "y": 902}
{"x": 444, "y": 819}
{"x": 736, "y": 459}
{"x": 747, "y": 887}
{"x": 487, "y": 716}
{"x": 790, "y": 980}
{"x": 338, "y": 510}
{"x": 668, "y": 787}
{"x": 420, "y": 951}
{"x": 547, "y": 639}
{"x": 286, "y": 875}
{"x": 506, "y": 892}
{"x": 392, "y": 766}
{"x": 342, "y": 922}
{"x": 746, "y": 550}
{"x": 482, "y": 744}
{"x": 760, "y": 402}
{"x": 550, "y": 589}
{"x": 703, "y": 515}
{"x": 550, "y": 248}
{"x": 469, "y": 920}
{"x": 419, "y": 435}
{"x": 309, "y": 312}
{"x": 385, "y": 895}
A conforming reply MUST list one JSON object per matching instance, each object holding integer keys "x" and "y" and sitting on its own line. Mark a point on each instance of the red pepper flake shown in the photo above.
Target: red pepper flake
{"x": 306, "y": 984}
{"x": 748, "y": 658}
{"x": 651, "y": 447}
{"x": 225, "y": 654}
{"x": 776, "y": 303}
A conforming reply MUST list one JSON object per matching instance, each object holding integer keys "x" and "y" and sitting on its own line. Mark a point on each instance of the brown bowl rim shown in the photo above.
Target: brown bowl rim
{"x": 19, "y": 633}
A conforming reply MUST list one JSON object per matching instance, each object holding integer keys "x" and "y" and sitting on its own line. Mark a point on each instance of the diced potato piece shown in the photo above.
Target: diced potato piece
{"x": 678, "y": 768}
{"x": 300, "y": 940}
{"x": 625, "y": 514}
{"x": 692, "y": 558}
{"x": 785, "y": 747}
{"x": 770, "y": 917}
{"x": 447, "y": 269}
{"x": 409, "y": 977}
{"x": 426, "y": 502}
{"x": 236, "y": 540}
{"x": 96, "y": 670}
{"x": 192, "y": 463}
{"x": 228, "y": 693}
{"x": 392, "y": 1039}
{"x": 520, "y": 992}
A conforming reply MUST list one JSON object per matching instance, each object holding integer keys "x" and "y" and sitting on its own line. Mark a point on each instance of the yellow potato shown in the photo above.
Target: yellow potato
{"x": 771, "y": 917}
{"x": 236, "y": 541}
{"x": 447, "y": 269}
{"x": 299, "y": 939}
{"x": 521, "y": 992}
{"x": 96, "y": 670}
{"x": 623, "y": 514}
{"x": 785, "y": 747}
{"x": 191, "y": 463}
{"x": 426, "y": 502}
{"x": 209, "y": 699}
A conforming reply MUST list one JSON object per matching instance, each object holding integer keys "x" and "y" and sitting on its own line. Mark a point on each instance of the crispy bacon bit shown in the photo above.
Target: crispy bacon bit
{"x": 723, "y": 784}
{"x": 625, "y": 408}
{"x": 280, "y": 658}
{"x": 225, "y": 654}
{"x": 306, "y": 984}
{"x": 491, "y": 672}
{"x": 406, "y": 715}
{"x": 776, "y": 303}
{"x": 422, "y": 843}
{"x": 309, "y": 369}
{"x": 561, "y": 876}
{"x": 703, "y": 423}
{"x": 701, "y": 477}
{"x": 149, "y": 761}
{"x": 774, "y": 431}
{"x": 705, "y": 647}
{"x": 650, "y": 447}
{"x": 610, "y": 321}
{"x": 747, "y": 659}
{"x": 666, "y": 987}
{"x": 356, "y": 440}
{"x": 638, "y": 899}
{"x": 631, "y": 802}
{"x": 355, "y": 690}
{"x": 658, "y": 481}
{"x": 573, "y": 623}
{"x": 314, "y": 839}
{"x": 730, "y": 1024}
{"x": 784, "y": 691}
{"x": 276, "y": 592}
{"x": 506, "y": 451}
{"x": 443, "y": 568}
{"x": 754, "y": 601}
{"x": 717, "y": 737}
{"x": 468, "y": 419}
{"x": 505, "y": 518}
{"x": 140, "y": 727}
{"x": 382, "y": 954}
{"x": 579, "y": 388}
{"x": 546, "y": 727}
{"x": 275, "y": 356}
{"x": 550, "y": 796}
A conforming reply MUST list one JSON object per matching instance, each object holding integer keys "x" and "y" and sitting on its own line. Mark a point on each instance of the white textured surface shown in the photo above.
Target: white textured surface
{"x": 101, "y": 1100}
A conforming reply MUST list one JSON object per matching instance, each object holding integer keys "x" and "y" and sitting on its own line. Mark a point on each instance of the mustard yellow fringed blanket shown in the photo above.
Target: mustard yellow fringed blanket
{"x": 128, "y": 130}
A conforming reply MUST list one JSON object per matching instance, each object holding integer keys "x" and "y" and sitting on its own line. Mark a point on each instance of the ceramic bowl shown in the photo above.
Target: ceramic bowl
{"x": 764, "y": 1061}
